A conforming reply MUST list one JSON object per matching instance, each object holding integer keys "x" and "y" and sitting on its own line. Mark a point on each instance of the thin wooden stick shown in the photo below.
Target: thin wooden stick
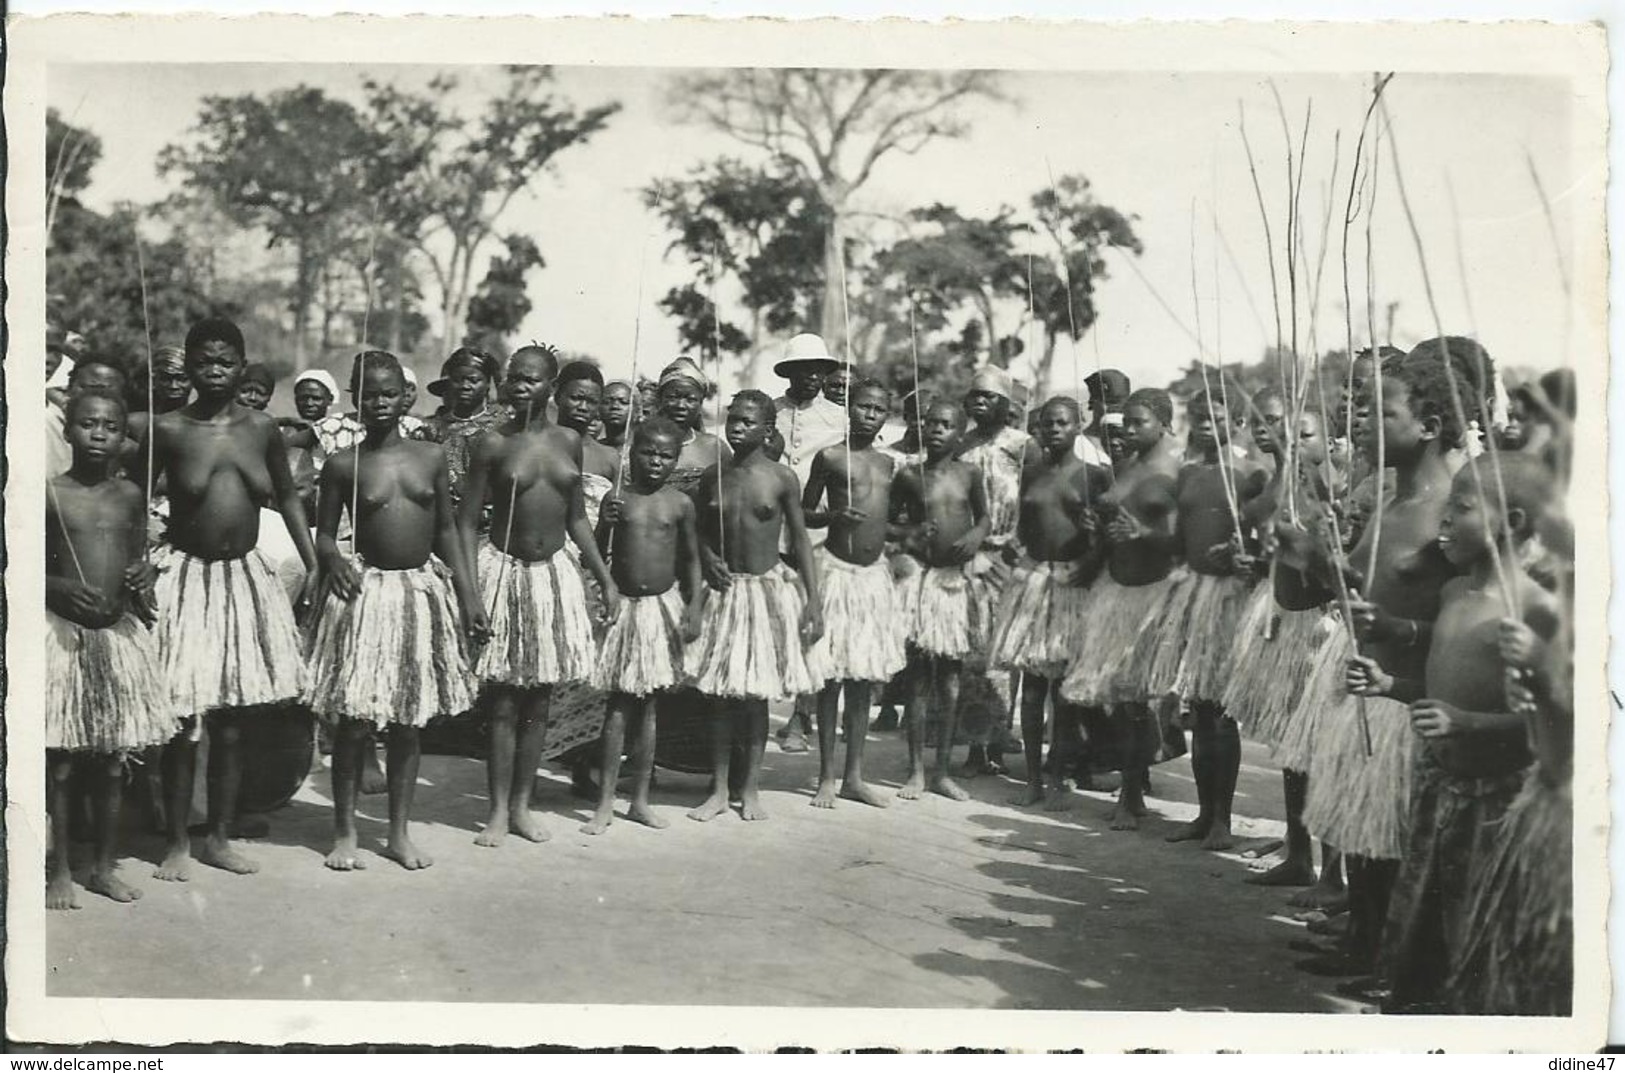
{"x": 846, "y": 352}
{"x": 1376, "y": 357}
{"x": 152, "y": 415}
{"x": 716, "y": 368}
{"x": 919, "y": 422}
{"x": 1225, "y": 476}
{"x": 1066, "y": 266}
{"x": 73, "y": 554}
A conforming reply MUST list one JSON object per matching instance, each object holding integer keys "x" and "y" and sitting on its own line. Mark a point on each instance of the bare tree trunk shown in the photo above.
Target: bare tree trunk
{"x": 303, "y": 285}
{"x": 396, "y": 298}
{"x": 831, "y": 323}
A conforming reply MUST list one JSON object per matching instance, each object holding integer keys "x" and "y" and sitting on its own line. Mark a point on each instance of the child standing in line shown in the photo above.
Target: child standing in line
{"x": 540, "y": 631}
{"x": 1126, "y": 605}
{"x": 389, "y": 652}
{"x": 1359, "y": 799}
{"x": 230, "y": 646}
{"x": 103, "y": 696}
{"x": 755, "y": 631}
{"x": 1041, "y": 623}
{"x": 944, "y": 499}
{"x": 649, "y": 534}
{"x": 861, "y": 647}
{"x": 1206, "y": 613}
{"x": 1474, "y": 748}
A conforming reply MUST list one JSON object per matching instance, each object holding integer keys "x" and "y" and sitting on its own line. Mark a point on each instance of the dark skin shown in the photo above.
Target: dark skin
{"x": 744, "y": 506}
{"x": 648, "y": 530}
{"x": 222, "y": 462}
{"x": 311, "y": 400}
{"x": 614, "y": 410}
{"x": 254, "y": 395}
{"x": 1140, "y": 511}
{"x": 1206, "y": 532}
{"x": 987, "y": 412}
{"x": 579, "y": 402}
{"x": 1055, "y": 525}
{"x": 467, "y": 387}
{"x": 532, "y": 478}
{"x": 805, "y": 380}
{"x": 947, "y": 497}
{"x": 835, "y": 385}
{"x": 858, "y": 480}
{"x": 95, "y": 535}
{"x": 400, "y": 492}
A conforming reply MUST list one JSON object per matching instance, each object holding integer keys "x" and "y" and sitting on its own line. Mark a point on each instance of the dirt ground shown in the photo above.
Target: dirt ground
{"x": 927, "y": 903}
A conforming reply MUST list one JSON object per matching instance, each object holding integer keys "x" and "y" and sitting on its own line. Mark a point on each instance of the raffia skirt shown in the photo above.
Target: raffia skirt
{"x": 1274, "y": 652}
{"x": 643, "y": 651}
{"x": 226, "y": 633}
{"x": 1197, "y": 634}
{"x": 750, "y": 640}
{"x": 103, "y": 693}
{"x": 540, "y": 631}
{"x": 1039, "y": 628}
{"x": 861, "y": 642}
{"x": 394, "y": 654}
{"x": 1358, "y": 803}
{"x": 937, "y": 612}
{"x": 1518, "y": 958}
{"x": 1127, "y": 624}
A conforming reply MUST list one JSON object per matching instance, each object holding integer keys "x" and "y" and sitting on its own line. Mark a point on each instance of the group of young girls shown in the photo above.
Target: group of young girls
{"x": 1354, "y": 586}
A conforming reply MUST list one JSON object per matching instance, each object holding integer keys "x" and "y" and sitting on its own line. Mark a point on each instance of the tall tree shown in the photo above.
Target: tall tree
{"x": 500, "y": 304}
{"x": 834, "y": 126}
{"x": 71, "y": 154}
{"x": 760, "y": 229}
{"x": 1080, "y": 228}
{"x": 291, "y": 163}
{"x": 457, "y": 177}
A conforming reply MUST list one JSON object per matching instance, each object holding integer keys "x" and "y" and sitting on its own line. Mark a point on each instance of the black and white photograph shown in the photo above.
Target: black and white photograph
{"x": 553, "y": 517}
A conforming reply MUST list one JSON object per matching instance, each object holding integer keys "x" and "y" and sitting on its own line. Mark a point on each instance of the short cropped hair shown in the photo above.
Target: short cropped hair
{"x": 656, "y": 426}
{"x": 77, "y": 401}
{"x": 752, "y": 397}
{"x": 579, "y": 370}
{"x": 215, "y": 330}
{"x": 374, "y": 359}
{"x": 1155, "y": 401}
{"x": 1066, "y": 402}
{"x": 868, "y": 383}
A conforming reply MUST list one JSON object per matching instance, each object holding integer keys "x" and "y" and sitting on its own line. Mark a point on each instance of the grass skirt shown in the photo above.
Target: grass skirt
{"x": 1197, "y": 634}
{"x": 1126, "y": 624}
{"x": 540, "y": 631}
{"x": 937, "y": 610}
{"x": 102, "y": 689}
{"x": 1358, "y": 803}
{"x": 1519, "y": 953}
{"x": 1452, "y": 834}
{"x": 1039, "y": 628}
{"x": 1320, "y": 699}
{"x": 985, "y": 587}
{"x": 226, "y": 633}
{"x": 750, "y": 641}
{"x": 392, "y": 655}
{"x": 643, "y": 651}
{"x": 861, "y": 642}
{"x": 1270, "y": 672}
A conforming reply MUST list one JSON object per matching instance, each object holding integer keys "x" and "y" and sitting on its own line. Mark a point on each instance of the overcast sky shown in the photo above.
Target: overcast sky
{"x": 1151, "y": 144}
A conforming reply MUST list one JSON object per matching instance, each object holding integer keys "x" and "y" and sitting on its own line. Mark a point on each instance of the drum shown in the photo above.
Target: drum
{"x": 278, "y": 747}
{"x": 683, "y": 732}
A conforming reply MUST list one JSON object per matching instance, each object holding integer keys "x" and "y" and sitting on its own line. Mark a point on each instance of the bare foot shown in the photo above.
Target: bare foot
{"x": 913, "y": 788}
{"x": 1059, "y": 799}
{"x": 111, "y": 886}
{"x": 1123, "y": 818}
{"x": 857, "y": 790}
{"x": 344, "y": 857}
{"x": 948, "y": 788}
{"x": 647, "y": 816}
{"x": 1331, "y": 899}
{"x": 710, "y": 808}
{"x": 524, "y": 824}
{"x": 825, "y": 797}
{"x": 495, "y": 831}
{"x": 1289, "y": 873}
{"x": 59, "y": 892}
{"x": 1218, "y": 838}
{"x": 1189, "y": 832}
{"x": 751, "y": 806}
{"x": 218, "y": 853}
{"x": 1032, "y": 795}
{"x": 402, "y": 852}
{"x": 176, "y": 867}
{"x": 598, "y": 824}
